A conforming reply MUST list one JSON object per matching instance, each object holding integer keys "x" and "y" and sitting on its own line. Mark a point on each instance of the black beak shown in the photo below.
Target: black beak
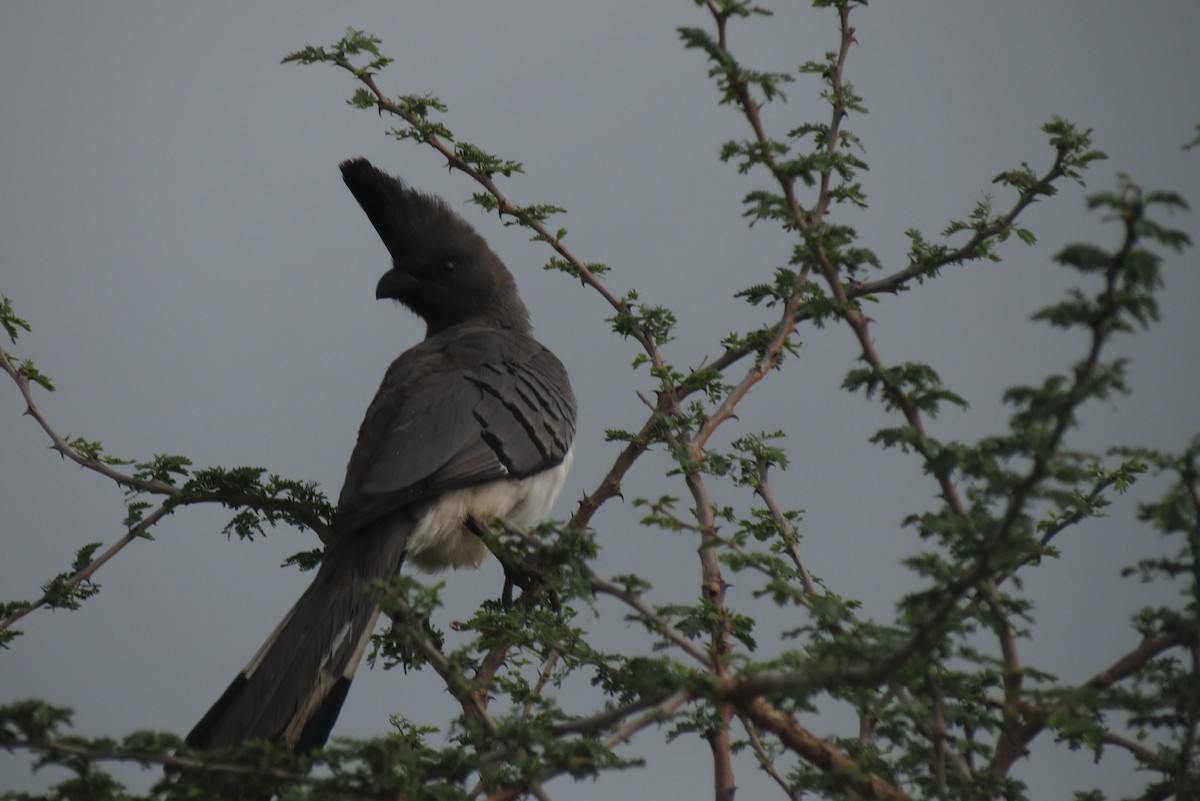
{"x": 393, "y": 284}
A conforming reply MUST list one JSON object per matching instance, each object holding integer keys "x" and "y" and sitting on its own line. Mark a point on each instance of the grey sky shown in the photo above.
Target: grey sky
{"x": 173, "y": 225}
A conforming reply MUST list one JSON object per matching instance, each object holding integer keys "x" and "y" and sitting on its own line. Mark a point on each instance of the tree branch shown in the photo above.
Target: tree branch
{"x": 473, "y": 703}
{"x": 764, "y": 758}
{"x": 970, "y": 250}
{"x": 177, "y": 495}
{"x": 137, "y": 531}
{"x": 1017, "y": 743}
{"x": 860, "y": 782}
{"x": 790, "y": 537}
{"x": 660, "y": 713}
{"x": 650, "y": 617}
{"x": 87, "y": 753}
{"x": 64, "y": 447}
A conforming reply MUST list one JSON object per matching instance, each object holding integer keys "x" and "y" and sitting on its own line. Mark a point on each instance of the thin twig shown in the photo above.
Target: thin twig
{"x": 938, "y": 730}
{"x": 961, "y": 764}
{"x": 64, "y": 447}
{"x": 175, "y": 496}
{"x": 461, "y": 689}
{"x": 971, "y": 249}
{"x": 822, "y": 755}
{"x": 652, "y": 619}
{"x": 764, "y": 759}
{"x": 1035, "y": 719}
{"x": 135, "y": 532}
{"x": 660, "y": 713}
{"x": 789, "y": 535}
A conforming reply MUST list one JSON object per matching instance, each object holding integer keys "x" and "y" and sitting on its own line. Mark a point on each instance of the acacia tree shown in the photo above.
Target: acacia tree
{"x": 944, "y": 704}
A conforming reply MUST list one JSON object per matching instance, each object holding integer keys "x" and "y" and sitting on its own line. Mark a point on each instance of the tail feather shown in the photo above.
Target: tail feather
{"x": 294, "y": 687}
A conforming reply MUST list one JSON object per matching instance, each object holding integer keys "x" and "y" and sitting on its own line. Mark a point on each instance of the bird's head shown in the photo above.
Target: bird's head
{"x": 441, "y": 268}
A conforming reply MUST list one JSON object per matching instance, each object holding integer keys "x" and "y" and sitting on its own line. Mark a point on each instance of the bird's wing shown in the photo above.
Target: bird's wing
{"x": 471, "y": 405}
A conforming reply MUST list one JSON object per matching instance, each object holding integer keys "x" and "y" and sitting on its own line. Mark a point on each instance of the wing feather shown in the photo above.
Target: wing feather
{"x": 470, "y": 405}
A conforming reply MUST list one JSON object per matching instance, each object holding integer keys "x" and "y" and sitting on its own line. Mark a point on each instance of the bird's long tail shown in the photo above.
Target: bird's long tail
{"x": 293, "y": 688}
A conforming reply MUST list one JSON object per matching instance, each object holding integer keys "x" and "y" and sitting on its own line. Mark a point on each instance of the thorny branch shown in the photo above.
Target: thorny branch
{"x": 175, "y": 497}
{"x": 179, "y": 498}
{"x": 137, "y": 531}
{"x": 977, "y": 574}
{"x": 972, "y": 249}
{"x": 654, "y": 711}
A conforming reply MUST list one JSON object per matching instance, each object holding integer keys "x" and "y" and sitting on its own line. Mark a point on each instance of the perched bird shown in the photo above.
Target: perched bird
{"x": 475, "y": 420}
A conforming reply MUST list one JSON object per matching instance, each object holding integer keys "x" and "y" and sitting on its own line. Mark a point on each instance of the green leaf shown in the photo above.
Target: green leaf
{"x": 10, "y": 320}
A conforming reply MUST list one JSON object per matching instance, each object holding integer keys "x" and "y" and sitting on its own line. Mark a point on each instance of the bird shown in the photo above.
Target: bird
{"x": 474, "y": 422}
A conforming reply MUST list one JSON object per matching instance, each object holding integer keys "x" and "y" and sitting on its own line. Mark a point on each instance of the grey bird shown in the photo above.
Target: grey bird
{"x": 476, "y": 420}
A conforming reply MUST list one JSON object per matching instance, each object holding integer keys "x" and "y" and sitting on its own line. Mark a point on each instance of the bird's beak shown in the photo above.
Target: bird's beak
{"x": 394, "y": 284}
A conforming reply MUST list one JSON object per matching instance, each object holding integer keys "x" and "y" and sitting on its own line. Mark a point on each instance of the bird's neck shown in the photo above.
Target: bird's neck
{"x": 511, "y": 316}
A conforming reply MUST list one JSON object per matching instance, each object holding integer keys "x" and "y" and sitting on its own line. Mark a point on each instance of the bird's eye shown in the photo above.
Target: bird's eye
{"x": 449, "y": 265}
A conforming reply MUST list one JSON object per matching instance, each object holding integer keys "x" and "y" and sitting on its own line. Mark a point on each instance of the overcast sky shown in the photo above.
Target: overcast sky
{"x": 199, "y": 281}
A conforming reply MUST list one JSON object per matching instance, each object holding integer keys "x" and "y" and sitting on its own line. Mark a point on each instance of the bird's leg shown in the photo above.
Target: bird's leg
{"x": 526, "y": 573}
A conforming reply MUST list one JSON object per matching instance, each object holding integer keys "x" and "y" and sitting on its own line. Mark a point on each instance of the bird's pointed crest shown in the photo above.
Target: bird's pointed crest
{"x": 405, "y": 218}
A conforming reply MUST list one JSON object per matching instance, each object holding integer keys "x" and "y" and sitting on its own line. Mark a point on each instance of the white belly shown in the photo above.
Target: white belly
{"x": 441, "y": 540}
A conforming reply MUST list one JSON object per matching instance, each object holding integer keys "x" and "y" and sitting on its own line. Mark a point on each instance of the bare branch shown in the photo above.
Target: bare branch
{"x": 1010, "y": 667}
{"x": 610, "y": 717}
{"x": 662, "y": 712}
{"x": 1146, "y": 755}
